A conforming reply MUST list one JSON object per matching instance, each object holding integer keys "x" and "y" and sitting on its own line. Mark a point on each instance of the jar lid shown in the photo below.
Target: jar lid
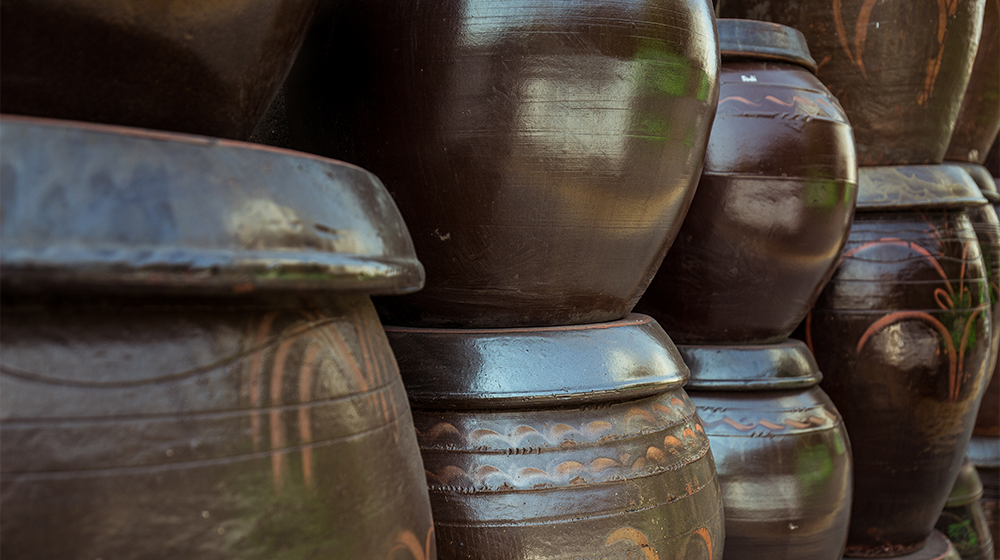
{"x": 537, "y": 366}
{"x": 968, "y": 488}
{"x": 984, "y": 452}
{"x": 984, "y": 180}
{"x": 745, "y": 38}
{"x": 763, "y": 367}
{"x": 124, "y": 210}
{"x": 913, "y": 187}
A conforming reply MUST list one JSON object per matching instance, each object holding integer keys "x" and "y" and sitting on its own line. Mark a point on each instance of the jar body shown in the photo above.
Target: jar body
{"x": 900, "y": 69}
{"x": 212, "y": 70}
{"x": 770, "y": 216}
{"x": 611, "y": 481}
{"x": 206, "y": 430}
{"x": 902, "y": 332}
{"x": 784, "y": 463}
{"x": 542, "y": 154}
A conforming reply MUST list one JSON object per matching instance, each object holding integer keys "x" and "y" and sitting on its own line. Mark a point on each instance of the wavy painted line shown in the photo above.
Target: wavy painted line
{"x": 811, "y": 421}
{"x": 305, "y": 424}
{"x": 637, "y": 537}
{"x": 707, "y": 537}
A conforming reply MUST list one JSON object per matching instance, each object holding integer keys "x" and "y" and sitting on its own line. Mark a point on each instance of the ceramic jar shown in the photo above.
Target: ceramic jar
{"x": 774, "y": 204}
{"x": 900, "y": 69}
{"x": 191, "y": 364}
{"x": 979, "y": 118}
{"x": 780, "y": 447}
{"x": 543, "y": 154}
{"x": 902, "y": 332}
{"x": 984, "y": 453}
{"x": 561, "y": 442}
{"x": 204, "y": 68}
{"x": 962, "y": 520}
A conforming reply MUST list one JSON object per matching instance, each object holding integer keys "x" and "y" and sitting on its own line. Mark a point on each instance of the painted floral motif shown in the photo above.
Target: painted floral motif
{"x": 638, "y": 538}
{"x": 406, "y": 540}
{"x": 784, "y": 422}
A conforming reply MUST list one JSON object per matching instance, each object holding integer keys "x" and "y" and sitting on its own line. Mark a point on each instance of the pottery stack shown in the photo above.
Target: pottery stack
{"x": 543, "y": 155}
{"x": 902, "y": 330}
{"x": 762, "y": 236}
{"x": 192, "y": 366}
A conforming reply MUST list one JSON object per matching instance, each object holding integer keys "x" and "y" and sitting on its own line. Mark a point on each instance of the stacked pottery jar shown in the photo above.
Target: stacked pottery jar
{"x": 902, "y": 331}
{"x": 769, "y": 218}
{"x": 192, "y": 366}
{"x": 543, "y": 155}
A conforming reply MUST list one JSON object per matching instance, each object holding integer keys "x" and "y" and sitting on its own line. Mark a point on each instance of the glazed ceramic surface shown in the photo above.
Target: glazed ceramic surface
{"x": 984, "y": 453}
{"x": 963, "y": 521}
{"x": 185, "y": 429}
{"x": 774, "y": 204}
{"x": 781, "y": 450}
{"x": 180, "y": 65}
{"x": 902, "y": 332}
{"x": 979, "y": 118}
{"x": 900, "y": 69}
{"x": 100, "y": 207}
{"x": 148, "y": 410}
{"x": 543, "y": 153}
{"x": 581, "y": 474}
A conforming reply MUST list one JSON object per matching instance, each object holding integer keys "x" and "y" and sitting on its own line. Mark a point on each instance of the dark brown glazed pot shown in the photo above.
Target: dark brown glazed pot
{"x": 200, "y": 67}
{"x": 984, "y": 453}
{"x": 780, "y": 447}
{"x": 902, "y": 331}
{"x": 900, "y": 69}
{"x": 543, "y": 153}
{"x": 165, "y": 395}
{"x": 613, "y": 463}
{"x": 963, "y": 521}
{"x": 979, "y": 118}
{"x": 774, "y": 204}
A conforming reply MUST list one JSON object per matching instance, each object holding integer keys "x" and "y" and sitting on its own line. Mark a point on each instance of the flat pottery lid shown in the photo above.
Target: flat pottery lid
{"x": 765, "y": 367}
{"x": 938, "y": 547}
{"x": 984, "y": 451}
{"x": 538, "y": 366}
{"x": 984, "y": 180}
{"x": 744, "y": 38}
{"x": 110, "y": 208}
{"x": 912, "y": 187}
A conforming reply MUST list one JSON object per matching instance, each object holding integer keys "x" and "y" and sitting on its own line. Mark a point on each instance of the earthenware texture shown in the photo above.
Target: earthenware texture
{"x": 902, "y": 332}
{"x": 900, "y": 69}
{"x": 781, "y": 450}
{"x": 979, "y": 118}
{"x": 771, "y": 212}
{"x": 94, "y": 207}
{"x": 584, "y": 473}
{"x": 963, "y": 521}
{"x": 190, "y": 429}
{"x": 543, "y": 153}
{"x": 205, "y": 68}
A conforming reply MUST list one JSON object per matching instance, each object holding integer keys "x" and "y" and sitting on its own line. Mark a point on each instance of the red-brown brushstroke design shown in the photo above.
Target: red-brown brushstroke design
{"x": 406, "y": 540}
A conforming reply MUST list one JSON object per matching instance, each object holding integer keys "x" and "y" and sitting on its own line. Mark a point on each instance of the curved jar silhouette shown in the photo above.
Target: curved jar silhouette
{"x": 903, "y": 334}
{"x": 780, "y": 447}
{"x": 963, "y": 521}
{"x": 543, "y": 153}
{"x": 979, "y": 118}
{"x": 199, "y": 67}
{"x": 615, "y": 464}
{"x": 164, "y": 395}
{"x": 774, "y": 204}
{"x": 984, "y": 453}
{"x": 900, "y": 69}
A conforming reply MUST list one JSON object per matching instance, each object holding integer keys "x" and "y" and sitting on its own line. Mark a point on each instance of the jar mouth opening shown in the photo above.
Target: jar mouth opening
{"x": 745, "y": 39}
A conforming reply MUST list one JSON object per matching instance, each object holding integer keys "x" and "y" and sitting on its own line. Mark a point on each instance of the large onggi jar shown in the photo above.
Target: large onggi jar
{"x": 192, "y": 366}
{"x": 542, "y": 152}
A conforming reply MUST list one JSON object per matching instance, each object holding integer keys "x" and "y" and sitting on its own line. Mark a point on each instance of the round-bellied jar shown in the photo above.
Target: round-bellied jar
{"x": 774, "y": 204}
{"x": 979, "y": 118}
{"x": 202, "y": 68}
{"x": 963, "y": 521}
{"x": 543, "y": 153}
{"x": 780, "y": 447}
{"x": 900, "y": 69}
{"x": 902, "y": 332}
{"x": 561, "y": 442}
{"x": 192, "y": 366}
